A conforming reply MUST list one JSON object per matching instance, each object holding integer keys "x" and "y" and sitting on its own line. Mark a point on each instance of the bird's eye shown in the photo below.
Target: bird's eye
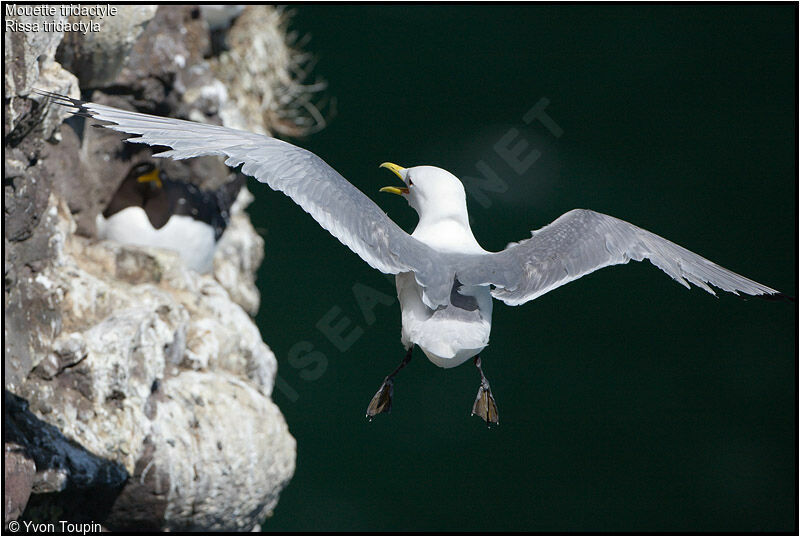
{"x": 410, "y": 182}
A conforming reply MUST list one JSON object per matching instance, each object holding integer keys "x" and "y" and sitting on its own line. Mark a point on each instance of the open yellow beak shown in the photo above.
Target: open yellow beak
{"x": 397, "y": 171}
{"x": 151, "y": 177}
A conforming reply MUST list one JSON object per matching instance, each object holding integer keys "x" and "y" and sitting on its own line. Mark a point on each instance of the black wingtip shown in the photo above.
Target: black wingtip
{"x": 62, "y": 100}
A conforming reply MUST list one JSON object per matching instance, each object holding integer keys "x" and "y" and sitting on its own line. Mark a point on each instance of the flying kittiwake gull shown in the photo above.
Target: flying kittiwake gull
{"x": 445, "y": 281}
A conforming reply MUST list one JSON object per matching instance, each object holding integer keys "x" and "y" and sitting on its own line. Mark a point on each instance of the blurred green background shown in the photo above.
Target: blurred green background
{"x": 627, "y": 403}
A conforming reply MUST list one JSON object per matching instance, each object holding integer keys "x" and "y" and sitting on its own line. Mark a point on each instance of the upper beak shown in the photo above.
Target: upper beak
{"x": 398, "y": 171}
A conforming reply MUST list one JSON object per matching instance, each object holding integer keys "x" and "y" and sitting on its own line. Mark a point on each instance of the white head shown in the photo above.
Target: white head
{"x": 434, "y": 193}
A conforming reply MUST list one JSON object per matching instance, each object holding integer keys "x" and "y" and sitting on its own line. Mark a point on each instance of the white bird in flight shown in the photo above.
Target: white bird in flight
{"x": 445, "y": 280}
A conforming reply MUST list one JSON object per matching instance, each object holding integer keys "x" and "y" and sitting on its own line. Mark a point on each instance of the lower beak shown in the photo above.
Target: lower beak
{"x": 394, "y": 190}
{"x": 398, "y": 171}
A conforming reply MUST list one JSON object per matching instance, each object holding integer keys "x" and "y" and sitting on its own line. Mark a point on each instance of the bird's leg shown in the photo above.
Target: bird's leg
{"x": 382, "y": 401}
{"x": 484, "y": 405}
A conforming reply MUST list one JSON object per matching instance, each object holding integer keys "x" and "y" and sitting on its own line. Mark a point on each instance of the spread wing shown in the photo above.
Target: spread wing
{"x": 577, "y": 243}
{"x": 582, "y": 241}
{"x": 339, "y": 207}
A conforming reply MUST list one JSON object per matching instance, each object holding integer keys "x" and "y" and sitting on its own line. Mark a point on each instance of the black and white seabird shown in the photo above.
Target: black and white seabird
{"x": 149, "y": 209}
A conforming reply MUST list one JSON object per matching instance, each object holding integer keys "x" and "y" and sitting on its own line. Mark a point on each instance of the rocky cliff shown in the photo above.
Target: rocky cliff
{"x": 137, "y": 392}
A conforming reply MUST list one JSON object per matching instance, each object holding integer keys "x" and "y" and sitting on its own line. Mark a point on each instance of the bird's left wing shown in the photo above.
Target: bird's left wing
{"x": 582, "y": 241}
{"x": 339, "y": 207}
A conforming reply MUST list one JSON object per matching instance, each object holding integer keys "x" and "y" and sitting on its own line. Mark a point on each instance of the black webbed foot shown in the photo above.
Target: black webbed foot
{"x": 485, "y": 406}
{"x": 382, "y": 400}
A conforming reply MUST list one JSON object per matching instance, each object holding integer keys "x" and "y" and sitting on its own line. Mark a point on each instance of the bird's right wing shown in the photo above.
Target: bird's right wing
{"x": 582, "y": 241}
{"x": 339, "y": 207}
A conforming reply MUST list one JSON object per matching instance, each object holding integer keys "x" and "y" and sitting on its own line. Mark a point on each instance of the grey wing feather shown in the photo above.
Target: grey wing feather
{"x": 582, "y": 241}
{"x": 577, "y": 243}
{"x": 329, "y": 198}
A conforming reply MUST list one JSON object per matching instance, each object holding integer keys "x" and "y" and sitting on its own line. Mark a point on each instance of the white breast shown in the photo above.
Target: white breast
{"x": 193, "y": 240}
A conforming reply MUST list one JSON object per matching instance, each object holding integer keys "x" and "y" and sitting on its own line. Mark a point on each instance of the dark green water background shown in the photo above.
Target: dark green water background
{"x": 627, "y": 403}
